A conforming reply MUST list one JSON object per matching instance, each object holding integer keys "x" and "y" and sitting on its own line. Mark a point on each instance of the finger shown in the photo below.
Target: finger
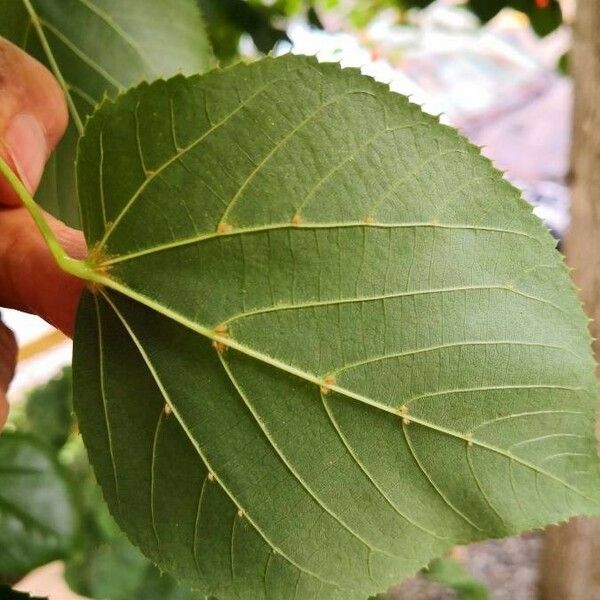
{"x": 33, "y": 117}
{"x": 8, "y": 360}
{"x": 30, "y": 279}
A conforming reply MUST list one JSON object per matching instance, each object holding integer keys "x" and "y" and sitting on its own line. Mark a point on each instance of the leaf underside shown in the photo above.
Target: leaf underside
{"x": 335, "y": 341}
{"x": 98, "y": 48}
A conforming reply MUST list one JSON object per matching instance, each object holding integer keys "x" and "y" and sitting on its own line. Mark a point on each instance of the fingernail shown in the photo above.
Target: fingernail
{"x": 26, "y": 144}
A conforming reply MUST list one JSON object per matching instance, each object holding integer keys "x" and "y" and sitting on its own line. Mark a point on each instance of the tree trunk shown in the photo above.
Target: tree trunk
{"x": 570, "y": 566}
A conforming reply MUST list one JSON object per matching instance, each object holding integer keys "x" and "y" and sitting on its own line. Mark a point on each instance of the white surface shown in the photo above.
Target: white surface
{"x": 48, "y": 582}
{"x": 41, "y": 368}
{"x": 26, "y": 327}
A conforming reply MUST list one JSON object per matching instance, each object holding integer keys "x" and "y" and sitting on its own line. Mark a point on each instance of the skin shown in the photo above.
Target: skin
{"x": 33, "y": 118}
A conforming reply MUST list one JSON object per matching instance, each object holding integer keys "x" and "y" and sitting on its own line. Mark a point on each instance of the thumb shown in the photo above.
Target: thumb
{"x": 8, "y": 359}
{"x": 33, "y": 117}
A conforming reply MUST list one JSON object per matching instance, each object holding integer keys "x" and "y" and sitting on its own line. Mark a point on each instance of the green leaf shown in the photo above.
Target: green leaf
{"x": 37, "y": 515}
{"x": 97, "y": 48}
{"x": 544, "y": 20}
{"x": 49, "y": 410}
{"x": 328, "y": 339}
{"x": 450, "y": 573}
{"x": 114, "y": 571}
{"x": 563, "y": 65}
{"x": 7, "y": 593}
{"x": 119, "y": 571}
{"x": 226, "y": 20}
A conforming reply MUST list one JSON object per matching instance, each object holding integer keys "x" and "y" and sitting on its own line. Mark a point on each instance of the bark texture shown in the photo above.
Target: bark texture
{"x": 570, "y": 568}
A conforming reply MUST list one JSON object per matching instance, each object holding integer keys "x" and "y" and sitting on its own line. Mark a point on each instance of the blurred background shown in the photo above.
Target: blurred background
{"x": 498, "y": 70}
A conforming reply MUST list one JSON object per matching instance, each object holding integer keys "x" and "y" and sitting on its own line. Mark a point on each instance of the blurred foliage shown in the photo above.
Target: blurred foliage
{"x": 265, "y": 21}
{"x": 49, "y": 411}
{"x": 545, "y": 15}
{"x": 564, "y": 64}
{"x": 227, "y": 20}
{"x": 38, "y": 516}
{"x": 451, "y": 574}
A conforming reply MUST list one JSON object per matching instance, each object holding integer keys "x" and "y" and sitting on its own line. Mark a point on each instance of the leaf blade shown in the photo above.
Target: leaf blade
{"x": 362, "y": 267}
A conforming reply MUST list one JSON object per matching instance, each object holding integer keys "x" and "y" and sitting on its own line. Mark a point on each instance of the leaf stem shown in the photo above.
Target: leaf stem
{"x": 78, "y": 268}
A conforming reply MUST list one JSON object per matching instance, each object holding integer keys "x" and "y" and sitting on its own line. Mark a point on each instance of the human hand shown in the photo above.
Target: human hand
{"x": 33, "y": 118}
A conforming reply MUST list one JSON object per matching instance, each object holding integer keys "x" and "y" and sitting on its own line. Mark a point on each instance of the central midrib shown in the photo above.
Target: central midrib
{"x": 276, "y": 363}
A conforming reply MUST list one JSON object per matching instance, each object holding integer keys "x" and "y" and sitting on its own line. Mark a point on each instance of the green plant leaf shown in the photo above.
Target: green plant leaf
{"x": 226, "y": 20}
{"x": 328, "y": 340}
{"x": 118, "y": 570}
{"x": 49, "y": 410}
{"x": 114, "y": 570}
{"x": 7, "y": 593}
{"x": 37, "y": 515}
{"x": 97, "y": 48}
